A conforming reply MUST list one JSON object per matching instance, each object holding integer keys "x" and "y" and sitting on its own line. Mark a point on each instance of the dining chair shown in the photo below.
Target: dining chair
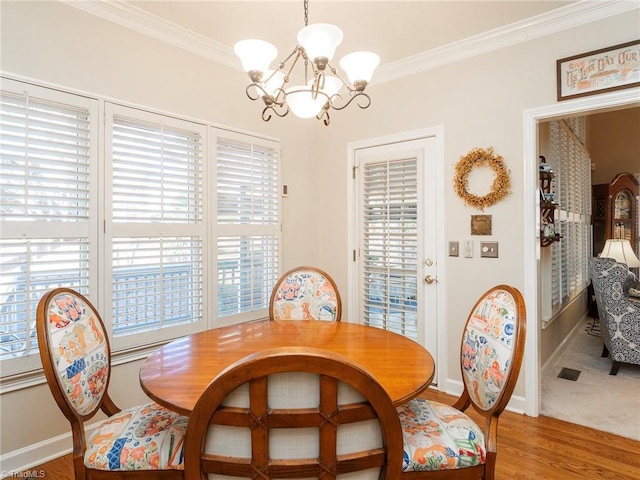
{"x": 294, "y": 412}
{"x": 305, "y": 293}
{"x": 441, "y": 441}
{"x": 143, "y": 442}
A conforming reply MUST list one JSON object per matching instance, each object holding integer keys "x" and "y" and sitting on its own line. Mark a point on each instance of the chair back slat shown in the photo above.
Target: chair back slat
{"x": 74, "y": 350}
{"x": 492, "y": 345}
{"x": 346, "y": 424}
{"x": 305, "y": 293}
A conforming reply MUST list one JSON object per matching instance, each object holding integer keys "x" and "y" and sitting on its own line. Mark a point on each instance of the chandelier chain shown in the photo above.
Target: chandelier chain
{"x": 306, "y": 13}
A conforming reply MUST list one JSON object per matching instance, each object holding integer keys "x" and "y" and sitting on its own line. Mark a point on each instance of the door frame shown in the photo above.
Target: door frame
{"x": 531, "y": 119}
{"x": 436, "y": 132}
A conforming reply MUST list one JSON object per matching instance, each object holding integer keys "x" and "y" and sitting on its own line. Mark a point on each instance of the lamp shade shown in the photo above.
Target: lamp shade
{"x": 620, "y": 250}
{"x": 360, "y": 65}
{"x": 255, "y": 54}
{"x": 320, "y": 40}
{"x": 301, "y": 102}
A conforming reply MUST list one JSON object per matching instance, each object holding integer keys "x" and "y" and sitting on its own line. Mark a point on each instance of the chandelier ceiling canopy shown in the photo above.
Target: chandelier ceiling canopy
{"x": 323, "y": 87}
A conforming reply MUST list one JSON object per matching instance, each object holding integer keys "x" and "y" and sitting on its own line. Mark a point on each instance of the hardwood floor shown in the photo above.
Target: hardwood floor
{"x": 529, "y": 448}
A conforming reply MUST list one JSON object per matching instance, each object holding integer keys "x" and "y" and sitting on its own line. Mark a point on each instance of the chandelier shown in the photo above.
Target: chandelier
{"x": 322, "y": 86}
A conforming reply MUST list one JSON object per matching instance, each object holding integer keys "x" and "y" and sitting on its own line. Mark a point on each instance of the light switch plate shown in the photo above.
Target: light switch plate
{"x": 489, "y": 249}
{"x": 454, "y": 249}
{"x": 468, "y": 248}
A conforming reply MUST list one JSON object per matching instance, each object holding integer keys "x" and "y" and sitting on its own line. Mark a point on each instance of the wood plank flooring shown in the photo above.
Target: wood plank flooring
{"x": 529, "y": 448}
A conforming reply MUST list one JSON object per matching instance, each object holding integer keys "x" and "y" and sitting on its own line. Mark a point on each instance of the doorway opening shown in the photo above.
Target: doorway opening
{"x": 532, "y": 118}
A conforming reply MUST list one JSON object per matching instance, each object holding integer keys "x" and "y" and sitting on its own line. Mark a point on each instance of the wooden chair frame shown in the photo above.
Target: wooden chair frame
{"x": 490, "y": 416}
{"x": 260, "y": 418}
{"x": 312, "y": 269}
{"x": 76, "y": 419}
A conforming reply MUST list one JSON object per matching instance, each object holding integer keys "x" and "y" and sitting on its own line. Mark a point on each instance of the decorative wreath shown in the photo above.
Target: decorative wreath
{"x": 479, "y": 157}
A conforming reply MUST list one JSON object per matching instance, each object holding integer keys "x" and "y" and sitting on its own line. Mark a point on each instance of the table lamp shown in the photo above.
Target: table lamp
{"x": 620, "y": 250}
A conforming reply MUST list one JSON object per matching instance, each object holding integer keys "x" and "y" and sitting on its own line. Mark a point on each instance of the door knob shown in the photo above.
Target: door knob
{"x": 429, "y": 279}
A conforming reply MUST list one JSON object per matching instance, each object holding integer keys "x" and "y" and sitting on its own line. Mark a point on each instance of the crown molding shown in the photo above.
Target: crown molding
{"x": 141, "y": 21}
{"x": 554, "y": 21}
{"x": 570, "y": 16}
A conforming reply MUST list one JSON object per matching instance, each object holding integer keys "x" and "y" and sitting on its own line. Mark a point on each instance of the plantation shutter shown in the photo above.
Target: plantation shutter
{"x": 157, "y": 223}
{"x": 248, "y": 239}
{"x": 389, "y": 245}
{"x": 572, "y": 184}
{"x": 47, "y": 151}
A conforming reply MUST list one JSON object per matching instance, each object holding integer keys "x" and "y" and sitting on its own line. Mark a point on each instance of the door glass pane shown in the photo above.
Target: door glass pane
{"x": 390, "y": 240}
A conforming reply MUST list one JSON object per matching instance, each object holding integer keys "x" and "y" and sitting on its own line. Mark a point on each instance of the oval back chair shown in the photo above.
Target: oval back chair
{"x": 141, "y": 442}
{"x": 440, "y": 441}
{"x": 294, "y": 412}
{"x": 305, "y": 293}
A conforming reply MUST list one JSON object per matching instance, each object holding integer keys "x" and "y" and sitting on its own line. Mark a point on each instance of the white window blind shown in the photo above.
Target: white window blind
{"x": 157, "y": 282}
{"x": 47, "y": 224}
{"x": 158, "y": 233}
{"x": 389, "y": 245}
{"x": 572, "y": 185}
{"x": 157, "y": 173}
{"x": 247, "y": 173}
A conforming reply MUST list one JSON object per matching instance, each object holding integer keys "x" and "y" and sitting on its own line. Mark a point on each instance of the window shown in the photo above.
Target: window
{"x": 48, "y": 214}
{"x": 135, "y": 230}
{"x": 157, "y": 232}
{"x": 248, "y": 224}
{"x": 570, "y": 274}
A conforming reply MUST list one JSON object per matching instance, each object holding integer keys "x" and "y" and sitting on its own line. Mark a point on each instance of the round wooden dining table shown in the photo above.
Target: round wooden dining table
{"x": 177, "y": 373}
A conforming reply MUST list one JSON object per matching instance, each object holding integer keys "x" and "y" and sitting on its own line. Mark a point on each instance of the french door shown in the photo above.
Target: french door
{"x": 396, "y": 267}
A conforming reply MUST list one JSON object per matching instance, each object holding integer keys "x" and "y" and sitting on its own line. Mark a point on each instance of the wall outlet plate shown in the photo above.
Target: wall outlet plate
{"x": 454, "y": 249}
{"x": 489, "y": 249}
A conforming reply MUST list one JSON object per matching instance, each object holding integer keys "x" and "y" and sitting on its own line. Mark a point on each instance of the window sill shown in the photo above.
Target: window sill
{"x": 19, "y": 381}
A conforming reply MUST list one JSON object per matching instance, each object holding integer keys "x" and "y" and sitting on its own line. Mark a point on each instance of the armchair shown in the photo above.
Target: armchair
{"x": 618, "y": 312}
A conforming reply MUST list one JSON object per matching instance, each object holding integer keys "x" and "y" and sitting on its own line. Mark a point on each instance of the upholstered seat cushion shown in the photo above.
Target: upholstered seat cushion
{"x": 147, "y": 437}
{"x": 439, "y": 437}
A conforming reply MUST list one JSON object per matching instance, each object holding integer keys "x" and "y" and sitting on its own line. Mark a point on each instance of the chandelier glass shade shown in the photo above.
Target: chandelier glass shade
{"x": 322, "y": 89}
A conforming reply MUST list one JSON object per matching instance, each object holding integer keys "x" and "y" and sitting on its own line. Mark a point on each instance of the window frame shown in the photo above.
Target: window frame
{"x": 30, "y": 229}
{"x": 28, "y": 370}
{"x": 219, "y": 230}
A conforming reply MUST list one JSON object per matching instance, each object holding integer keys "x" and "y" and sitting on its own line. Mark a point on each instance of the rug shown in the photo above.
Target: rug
{"x": 610, "y": 403}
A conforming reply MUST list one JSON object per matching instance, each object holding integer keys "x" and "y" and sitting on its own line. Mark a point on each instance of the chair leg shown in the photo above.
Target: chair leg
{"x": 605, "y": 351}
{"x": 614, "y": 368}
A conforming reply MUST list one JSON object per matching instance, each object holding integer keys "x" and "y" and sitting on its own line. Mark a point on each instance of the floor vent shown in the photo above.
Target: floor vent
{"x": 569, "y": 374}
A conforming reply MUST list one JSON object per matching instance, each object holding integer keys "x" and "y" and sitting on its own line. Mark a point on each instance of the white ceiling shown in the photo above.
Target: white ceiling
{"x": 393, "y": 29}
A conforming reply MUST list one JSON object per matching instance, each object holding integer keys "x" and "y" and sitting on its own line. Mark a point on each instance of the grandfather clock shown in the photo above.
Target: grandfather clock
{"x": 615, "y": 211}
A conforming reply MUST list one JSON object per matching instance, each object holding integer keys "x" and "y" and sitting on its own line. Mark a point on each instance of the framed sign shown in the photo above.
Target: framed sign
{"x": 603, "y": 70}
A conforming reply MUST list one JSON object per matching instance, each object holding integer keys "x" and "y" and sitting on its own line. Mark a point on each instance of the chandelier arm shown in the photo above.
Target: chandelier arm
{"x": 295, "y": 51}
{"x": 266, "y": 113}
{"x": 299, "y": 53}
{"x": 324, "y": 116}
{"x": 366, "y": 104}
{"x": 269, "y": 98}
{"x": 337, "y": 74}
{"x": 318, "y": 83}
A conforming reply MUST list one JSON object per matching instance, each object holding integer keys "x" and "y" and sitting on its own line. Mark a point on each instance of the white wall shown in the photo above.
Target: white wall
{"x": 479, "y": 102}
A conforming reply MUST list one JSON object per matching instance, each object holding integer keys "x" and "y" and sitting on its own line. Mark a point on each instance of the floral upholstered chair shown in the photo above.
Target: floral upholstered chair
{"x": 294, "y": 413}
{"x": 140, "y": 442}
{"x": 619, "y": 312}
{"x": 441, "y": 441}
{"x": 305, "y": 293}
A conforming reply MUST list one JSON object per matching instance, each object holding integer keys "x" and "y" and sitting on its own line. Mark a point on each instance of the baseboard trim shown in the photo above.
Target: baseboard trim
{"x": 562, "y": 346}
{"x": 31, "y": 456}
